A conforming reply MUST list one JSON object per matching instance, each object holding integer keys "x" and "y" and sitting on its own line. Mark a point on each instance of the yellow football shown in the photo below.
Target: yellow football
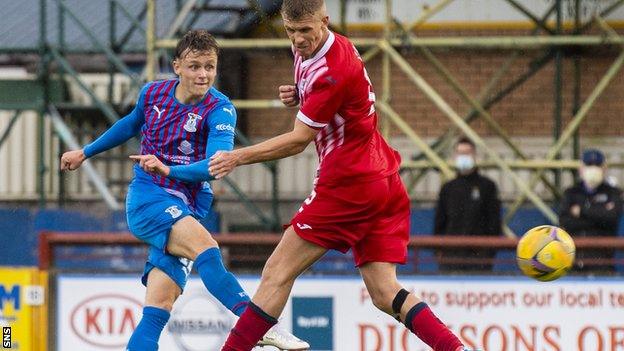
{"x": 545, "y": 253}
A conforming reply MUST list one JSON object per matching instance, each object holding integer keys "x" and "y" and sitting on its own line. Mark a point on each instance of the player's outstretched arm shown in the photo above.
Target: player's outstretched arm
{"x": 288, "y": 95}
{"x": 121, "y": 131}
{"x": 220, "y": 138}
{"x": 151, "y": 164}
{"x": 281, "y": 146}
{"x": 72, "y": 160}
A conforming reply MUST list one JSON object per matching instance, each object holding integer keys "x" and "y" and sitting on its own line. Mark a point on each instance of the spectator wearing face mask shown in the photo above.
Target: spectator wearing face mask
{"x": 467, "y": 205}
{"x": 592, "y": 207}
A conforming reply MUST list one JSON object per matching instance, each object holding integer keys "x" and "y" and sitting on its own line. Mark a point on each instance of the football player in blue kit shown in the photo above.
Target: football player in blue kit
{"x": 182, "y": 123}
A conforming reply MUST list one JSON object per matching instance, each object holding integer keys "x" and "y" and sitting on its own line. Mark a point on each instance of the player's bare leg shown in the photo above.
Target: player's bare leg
{"x": 188, "y": 238}
{"x": 290, "y": 258}
{"x": 161, "y": 290}
{"x": 191, "y": 240}
{"x": 388, "y": 295}
{"x": 160, "y": 295}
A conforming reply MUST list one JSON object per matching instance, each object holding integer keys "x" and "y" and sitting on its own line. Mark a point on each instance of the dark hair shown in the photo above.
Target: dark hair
{"x": 296, "y": 9}
{"x": 465, "y": 140}
{"x": 197, "y": 40}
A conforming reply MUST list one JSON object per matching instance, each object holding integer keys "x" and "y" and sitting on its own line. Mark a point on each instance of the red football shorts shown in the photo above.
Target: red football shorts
{"x": 370, "y": 218}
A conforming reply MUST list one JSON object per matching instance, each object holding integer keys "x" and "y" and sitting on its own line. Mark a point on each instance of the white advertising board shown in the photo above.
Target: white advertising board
{"x": 494, "y": 314}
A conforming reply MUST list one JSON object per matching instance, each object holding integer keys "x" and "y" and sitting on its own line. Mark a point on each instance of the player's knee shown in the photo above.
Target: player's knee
{"x": 276, "y": 277}
{"x": 163, "y": 301}
{"x": 382, "y": 298}
{"x": 191, "y": 247}
{"x": 203, "y": 243}
{"x": 381, "y": 303}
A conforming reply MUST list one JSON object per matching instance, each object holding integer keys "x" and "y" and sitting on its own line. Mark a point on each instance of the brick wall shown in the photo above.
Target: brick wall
{"x": 528, "y": 111}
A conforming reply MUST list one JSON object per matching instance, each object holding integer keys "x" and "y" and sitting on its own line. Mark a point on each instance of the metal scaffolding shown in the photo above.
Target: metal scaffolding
{"x": 549, "y": 39}
{"x": 396, "y": 34}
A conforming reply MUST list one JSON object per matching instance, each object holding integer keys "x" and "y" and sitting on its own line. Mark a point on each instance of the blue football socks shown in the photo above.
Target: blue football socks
{"x": 221, "y": 283}
{"x": 145, "y": 336}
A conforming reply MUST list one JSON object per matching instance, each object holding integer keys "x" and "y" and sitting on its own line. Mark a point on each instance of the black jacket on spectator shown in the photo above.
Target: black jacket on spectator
{"x": 600, "y": 215}
{"x": 468, "y": 205}
{"x": 600, "y": 210}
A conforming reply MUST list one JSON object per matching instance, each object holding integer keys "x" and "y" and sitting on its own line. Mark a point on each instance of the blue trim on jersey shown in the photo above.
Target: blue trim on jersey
{"x": 121, "y": 131}
{"x": 220, "y": 138}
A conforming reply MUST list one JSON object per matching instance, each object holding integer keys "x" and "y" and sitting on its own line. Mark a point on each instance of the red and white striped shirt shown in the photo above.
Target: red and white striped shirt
{"x": 336, "y": 96}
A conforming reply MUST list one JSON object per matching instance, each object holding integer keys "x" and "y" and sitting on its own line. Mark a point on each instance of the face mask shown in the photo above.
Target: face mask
{"x": 464, "y": 163}
{"x": 592, "y": 176}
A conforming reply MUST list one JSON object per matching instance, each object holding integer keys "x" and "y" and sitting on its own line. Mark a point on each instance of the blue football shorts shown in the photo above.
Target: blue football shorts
{"x": 151, "y": 213}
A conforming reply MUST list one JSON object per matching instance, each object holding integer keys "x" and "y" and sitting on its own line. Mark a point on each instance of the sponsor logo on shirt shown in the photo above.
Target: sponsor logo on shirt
{"x": 224, "y": 127}
{"x": 185, "y": 147}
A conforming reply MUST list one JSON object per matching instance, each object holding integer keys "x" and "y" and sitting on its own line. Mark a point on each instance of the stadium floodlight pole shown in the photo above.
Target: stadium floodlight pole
{"x": 420, "y": 143}
{"x": 455, "y": 118}
{"x": 572, "y": 126}
{"x": 64, "y": 133}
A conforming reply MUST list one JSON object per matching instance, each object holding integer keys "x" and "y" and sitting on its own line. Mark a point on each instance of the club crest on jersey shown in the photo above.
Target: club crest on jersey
{"x": 174, "y": 211}
{"x": 185, "y": 147}
{"x": 191, "y": 123}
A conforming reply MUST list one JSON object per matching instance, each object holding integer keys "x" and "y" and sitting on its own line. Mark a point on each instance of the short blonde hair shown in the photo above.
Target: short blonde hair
{"x": 297, "y": 9}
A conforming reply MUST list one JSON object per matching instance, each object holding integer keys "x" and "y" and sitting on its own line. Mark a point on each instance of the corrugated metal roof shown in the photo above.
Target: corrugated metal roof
{"x": 21, "y": 21}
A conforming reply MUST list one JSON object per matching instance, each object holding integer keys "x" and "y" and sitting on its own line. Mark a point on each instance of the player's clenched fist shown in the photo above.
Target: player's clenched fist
{"x": 151, "y": 164}
{"x": 288, "y": 95}
{"x": 72, "y": 160}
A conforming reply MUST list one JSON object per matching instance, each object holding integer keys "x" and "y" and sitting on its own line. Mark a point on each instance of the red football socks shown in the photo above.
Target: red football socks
{"x": 422, "y": 322}
{"x": 250, "y": 328}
